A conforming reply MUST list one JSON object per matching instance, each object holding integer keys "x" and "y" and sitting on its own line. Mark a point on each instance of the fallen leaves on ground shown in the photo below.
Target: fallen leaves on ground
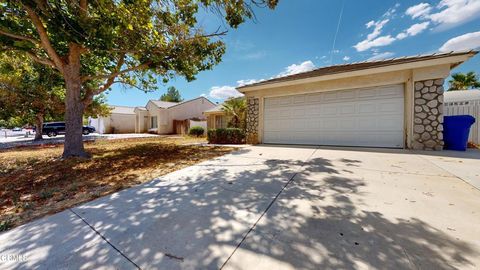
{"x": 35, "y": 182}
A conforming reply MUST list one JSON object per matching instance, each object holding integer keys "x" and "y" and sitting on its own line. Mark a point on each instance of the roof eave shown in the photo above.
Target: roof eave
{"x": 453, "y": 60}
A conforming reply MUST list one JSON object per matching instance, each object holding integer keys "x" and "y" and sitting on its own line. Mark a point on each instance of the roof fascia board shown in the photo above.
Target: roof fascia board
{"x": 452, "y": 60}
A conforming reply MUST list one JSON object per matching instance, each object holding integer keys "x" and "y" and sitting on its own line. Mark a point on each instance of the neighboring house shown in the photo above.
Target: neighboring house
{"x": 216, "y": 117}
{"x": 395, "y": 103}
{"x": 120, "y": 120}
{"x": 158, "y": 116}
{"x": 465, "y": 102}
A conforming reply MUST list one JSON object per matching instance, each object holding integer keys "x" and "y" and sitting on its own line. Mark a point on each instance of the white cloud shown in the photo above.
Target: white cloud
{"x": 420, "y": 10}
{"x": 401, "y": 36}
{"x": 294, "y": 68}
{"x": 448, "y": 13}
{"x": 224, "y": 92}
{"x": 227, "y": 91}
{"x": 378, "y": 42}
{"x": 464, "y": 42}
{"x": 346, "y": 58}
{"x": 247, "y": 82}
{"x": 203, "y": 95}
{"x": 380, "y": 56}
{"x": 417, "y": 28}
{"x": 455, "y": 12}
{"x": 377, "y": 30}
{"x": 370, "y": 24}
{"x": 373, "y": 39}
{"x": 391, "y": 11}
{"x": 413, "y": 30}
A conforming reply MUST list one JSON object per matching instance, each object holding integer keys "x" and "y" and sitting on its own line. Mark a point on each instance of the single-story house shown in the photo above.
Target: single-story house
{"x": 465, "y": 102}
{"x": 120, "y": 120}
{"x": 156, "y": 117}
{"x": 396, "y": 103}
{"x": 216, "y": 117}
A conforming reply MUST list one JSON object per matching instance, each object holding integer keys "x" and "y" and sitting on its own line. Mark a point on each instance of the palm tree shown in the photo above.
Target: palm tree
{"x": 236, "y": 111}
{"x": 462, "y": 81}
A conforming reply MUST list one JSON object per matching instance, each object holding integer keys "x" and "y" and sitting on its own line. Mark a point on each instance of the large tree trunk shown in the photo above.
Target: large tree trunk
{"x": 38, "y": 127}
{"x": 74, "y": 108}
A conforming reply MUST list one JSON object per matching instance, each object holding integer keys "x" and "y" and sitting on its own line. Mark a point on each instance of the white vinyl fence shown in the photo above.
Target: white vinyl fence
{"x": 472, "y": 108}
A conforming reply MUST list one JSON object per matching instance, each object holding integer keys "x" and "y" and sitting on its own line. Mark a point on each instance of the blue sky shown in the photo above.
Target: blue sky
{"x": 299, "y": 35}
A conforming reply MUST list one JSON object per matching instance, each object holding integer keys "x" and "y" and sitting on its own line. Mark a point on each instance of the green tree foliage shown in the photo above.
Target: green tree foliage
{"x": 95, "y": 44}
{"x": 462, "y": 81}
{"x": 236, "y": 111}
{"x": 30, "y": 93}
{"x": 172, "y": 95}
{"x": 98, "y": 107}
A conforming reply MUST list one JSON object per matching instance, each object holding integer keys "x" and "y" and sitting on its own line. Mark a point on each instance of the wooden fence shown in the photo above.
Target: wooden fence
{"x": 182, "y": 126}
{"x": 466, "y": 108}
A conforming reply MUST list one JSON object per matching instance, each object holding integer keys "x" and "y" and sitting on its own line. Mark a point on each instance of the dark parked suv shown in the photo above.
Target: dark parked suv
{"x": 54, "y": 128}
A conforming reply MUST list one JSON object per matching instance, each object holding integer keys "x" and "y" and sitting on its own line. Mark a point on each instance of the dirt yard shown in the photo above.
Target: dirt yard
{"x": 35, "y": 182}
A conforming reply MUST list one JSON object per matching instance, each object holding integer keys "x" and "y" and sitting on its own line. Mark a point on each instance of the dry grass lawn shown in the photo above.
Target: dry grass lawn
{"x": 35, "y": 182}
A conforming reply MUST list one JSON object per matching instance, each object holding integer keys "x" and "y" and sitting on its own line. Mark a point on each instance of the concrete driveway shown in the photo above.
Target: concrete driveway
{"x": 273, "y": 207}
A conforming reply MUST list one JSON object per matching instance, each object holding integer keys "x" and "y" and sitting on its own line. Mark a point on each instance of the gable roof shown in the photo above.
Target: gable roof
{"x": 461, "y": 95}
{"x": 122, "y": 109}
{"x": 344, "y": 68}
{"x": 218, "y": 108}
{"x": 163, "y": 104}
{"x": 168, "y": 105}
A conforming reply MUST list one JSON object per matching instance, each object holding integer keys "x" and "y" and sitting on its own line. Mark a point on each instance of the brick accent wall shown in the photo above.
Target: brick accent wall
{"x": 252, "y": 120}
{"x": 428, "y": 115}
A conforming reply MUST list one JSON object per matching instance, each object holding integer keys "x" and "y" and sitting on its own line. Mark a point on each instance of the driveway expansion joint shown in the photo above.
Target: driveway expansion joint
{"x": 269, "y": 206}
{"x": 104, "y": 238}
{"x": 452, "y": 174}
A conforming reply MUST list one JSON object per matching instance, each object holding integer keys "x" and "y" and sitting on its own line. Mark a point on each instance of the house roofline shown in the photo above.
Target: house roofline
{"x": 179, "y": 103}
{"x": 452, "y": 58}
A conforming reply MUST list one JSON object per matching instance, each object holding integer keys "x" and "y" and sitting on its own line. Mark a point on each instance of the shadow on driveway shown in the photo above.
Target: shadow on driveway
{"x": 215, "y": 214}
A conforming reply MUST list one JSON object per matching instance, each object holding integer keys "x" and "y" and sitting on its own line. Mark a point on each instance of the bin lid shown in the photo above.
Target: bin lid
{"x": 464, "y": 119}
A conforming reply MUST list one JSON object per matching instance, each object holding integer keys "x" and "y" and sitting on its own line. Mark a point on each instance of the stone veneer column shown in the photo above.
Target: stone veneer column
{"x": 428, "y": 115}
{"x": 252, "y": 120}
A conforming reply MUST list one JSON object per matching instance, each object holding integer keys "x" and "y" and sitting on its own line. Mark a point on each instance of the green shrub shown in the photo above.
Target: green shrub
{"x": 6, "y": 224}
{"x": 226, "y": 136}
{"x": 196, "y": 131}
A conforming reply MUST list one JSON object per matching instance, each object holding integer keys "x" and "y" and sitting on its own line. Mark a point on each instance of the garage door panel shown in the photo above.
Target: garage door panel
{"x": 392, "y": 107}
{"x": 357, "y": 117}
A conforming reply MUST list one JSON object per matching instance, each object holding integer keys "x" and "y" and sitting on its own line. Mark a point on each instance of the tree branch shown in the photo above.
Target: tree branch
{"x": 45, "y": 42}
{"x": 19, "y": 37}
{"x": 90, "y": 93}
{"x": 83, "y": 7}
{"x": 113, "y": 75}
{"x": 43, "y": 61}
{"x": 131, "y": 84}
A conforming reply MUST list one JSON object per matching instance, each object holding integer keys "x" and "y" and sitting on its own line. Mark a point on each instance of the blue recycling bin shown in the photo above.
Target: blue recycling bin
{"x": 455, "y": 131}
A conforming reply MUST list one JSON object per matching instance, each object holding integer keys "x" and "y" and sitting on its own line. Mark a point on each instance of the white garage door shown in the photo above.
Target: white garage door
{"x": 354, "y": 117}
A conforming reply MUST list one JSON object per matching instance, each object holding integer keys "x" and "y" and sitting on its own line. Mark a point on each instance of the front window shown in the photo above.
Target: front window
{"x": 219, "y": 123}
{"x": 153, "y": 122}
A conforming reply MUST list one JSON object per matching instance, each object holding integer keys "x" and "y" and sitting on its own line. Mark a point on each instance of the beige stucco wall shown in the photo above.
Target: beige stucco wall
{"x": 212, "y": 120}
{"x": 119, "y": 123}
{"x": 187, "y": 110}
{"x": 406, "y": 77}
{"x": 141, "y": 126}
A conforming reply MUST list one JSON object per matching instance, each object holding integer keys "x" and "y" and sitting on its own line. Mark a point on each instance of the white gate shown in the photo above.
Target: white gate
{"x": 466, "y": 108}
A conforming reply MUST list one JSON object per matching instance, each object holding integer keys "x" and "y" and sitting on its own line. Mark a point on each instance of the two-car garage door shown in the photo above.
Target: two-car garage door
{"x": 354, "y": 117}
